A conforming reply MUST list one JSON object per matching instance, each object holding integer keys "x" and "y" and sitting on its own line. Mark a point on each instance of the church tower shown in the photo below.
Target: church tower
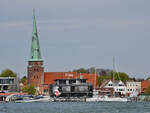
{"x": 35, "y": 70}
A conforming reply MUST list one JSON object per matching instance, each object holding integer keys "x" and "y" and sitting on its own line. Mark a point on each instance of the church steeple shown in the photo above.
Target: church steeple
{"x": 35, "y": 69}
{"x": 35, "y": 54}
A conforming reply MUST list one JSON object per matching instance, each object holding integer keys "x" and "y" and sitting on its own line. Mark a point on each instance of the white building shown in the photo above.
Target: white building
{"x": 9, "y": 84}
{"x": 133, "y": 88}
{"x": 118, "y": 86}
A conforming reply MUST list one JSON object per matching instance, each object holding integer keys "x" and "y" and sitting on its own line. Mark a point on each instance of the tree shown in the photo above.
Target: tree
{"x": 102, "y": 78}
{"x": 120, "y": 76}
{"x": 81, "y": 70}
{"x": 30, "y": 89}
{"x": 8, "y": 73}
{"x": 114, "y": 75}
{"x": 147, "y": 91}
{"x": 92, "y": 70}
{"x": 23, "y": 80}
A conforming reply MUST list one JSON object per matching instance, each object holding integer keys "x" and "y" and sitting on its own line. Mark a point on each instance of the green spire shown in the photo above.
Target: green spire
{"x": 35, "y": 54}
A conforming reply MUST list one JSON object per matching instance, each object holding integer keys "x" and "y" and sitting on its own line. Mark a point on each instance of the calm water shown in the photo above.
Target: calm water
{"x": 70, "y": 107}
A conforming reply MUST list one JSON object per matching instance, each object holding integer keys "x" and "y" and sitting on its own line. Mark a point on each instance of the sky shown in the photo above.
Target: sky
{"x": 77, "y": 33}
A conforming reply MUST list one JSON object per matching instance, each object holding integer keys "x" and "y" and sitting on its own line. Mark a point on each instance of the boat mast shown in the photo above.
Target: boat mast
{"x": 113, "y": 68}
{"x": 113, "y": 75}
{"x": 95, "y": 79}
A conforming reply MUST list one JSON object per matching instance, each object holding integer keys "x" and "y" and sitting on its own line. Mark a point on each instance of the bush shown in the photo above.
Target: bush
{"x": 30, "y": 89}
{"x": 147, "y": 91}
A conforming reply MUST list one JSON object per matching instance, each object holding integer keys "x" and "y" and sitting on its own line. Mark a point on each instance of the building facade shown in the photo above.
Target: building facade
{"x": 118, "y": 86}
{"x": 133, "y": 88}
{"x": 71, "y": 88}
{"x": 9, "y": 84}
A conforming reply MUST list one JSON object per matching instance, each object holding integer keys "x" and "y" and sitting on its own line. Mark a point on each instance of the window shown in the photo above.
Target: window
{"x": 110, "y": 85}
{"x": 5, "y": 87}
{"x": 60, "y": 82}
{"x": 130, "y": 89}
{"x": 36, "y": 69}
{"x": 45, "y": 90}
{"x": 120, "y": 89}
{"x": 120, "y": 84}
{"x": 64, "y": 81}
{"x": 72, "y": 88}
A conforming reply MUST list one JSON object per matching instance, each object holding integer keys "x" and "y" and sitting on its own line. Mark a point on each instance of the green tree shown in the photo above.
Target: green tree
{"x": 23, "y": 80}
{"x": 147, "y": 91}
{"x": 8, "y": 73}
{"x": 102, "y": 78}
{"x": 120, "y": 76}
{"x": 30, "y": 89}
{"x": 114, "y": 75}
{"x": 81, "y": 70}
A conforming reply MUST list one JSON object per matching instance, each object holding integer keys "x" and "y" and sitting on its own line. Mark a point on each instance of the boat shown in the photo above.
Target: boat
{"x": 99, "y": 98}
{"x": 27, "y": 98}
{"x": 39, "y": 99}
{"x": 107, "y": 99}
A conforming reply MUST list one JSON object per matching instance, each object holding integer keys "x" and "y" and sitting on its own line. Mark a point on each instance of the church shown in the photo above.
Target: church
{"x": 35, "y": 69}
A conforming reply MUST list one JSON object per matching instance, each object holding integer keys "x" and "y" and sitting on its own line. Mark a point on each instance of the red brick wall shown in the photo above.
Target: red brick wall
{"x": 144, "y": 84}
{"x": 35, "y": 73}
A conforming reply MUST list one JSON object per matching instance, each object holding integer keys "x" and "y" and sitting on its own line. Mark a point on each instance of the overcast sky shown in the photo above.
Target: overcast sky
{"x": 77, "y": 33}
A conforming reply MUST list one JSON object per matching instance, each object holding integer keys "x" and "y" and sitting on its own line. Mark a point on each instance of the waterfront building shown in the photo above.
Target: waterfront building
{"x": 133, "y": 88}
{"x": 71, "y": 88}
{"x": 118, "y": 86}
{"x": 144, "y": 85}
{"x": 9, "y": 84}
{"x": 35, "y": 70}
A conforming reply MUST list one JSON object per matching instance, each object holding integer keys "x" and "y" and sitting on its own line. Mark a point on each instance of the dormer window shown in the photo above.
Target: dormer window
{"x": 121, "y": 85}
{"x": 110, "y": 84}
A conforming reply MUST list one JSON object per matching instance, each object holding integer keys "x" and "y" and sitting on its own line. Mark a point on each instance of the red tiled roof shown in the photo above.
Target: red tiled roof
{"x": 49, "y": 77}
{"x": 144, "y": 84}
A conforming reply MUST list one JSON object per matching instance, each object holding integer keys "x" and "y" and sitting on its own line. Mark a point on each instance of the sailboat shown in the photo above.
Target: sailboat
{"x": 98, "y": 98}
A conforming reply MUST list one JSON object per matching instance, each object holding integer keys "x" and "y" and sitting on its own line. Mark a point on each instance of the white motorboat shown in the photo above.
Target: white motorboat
{"x": 23, "y": 99}
{"x": 107, "y": 99}
{"x": 44, "y": 99}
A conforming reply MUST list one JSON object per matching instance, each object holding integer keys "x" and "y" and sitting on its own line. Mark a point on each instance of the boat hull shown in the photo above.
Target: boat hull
{"x": 100, "y": 99}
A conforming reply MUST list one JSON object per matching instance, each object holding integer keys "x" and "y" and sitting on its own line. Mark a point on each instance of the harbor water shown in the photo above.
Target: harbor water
{"x": 76, "y": 107}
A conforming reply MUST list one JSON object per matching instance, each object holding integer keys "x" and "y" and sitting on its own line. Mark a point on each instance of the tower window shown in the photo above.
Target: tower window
{"x": 36, "y": 69}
